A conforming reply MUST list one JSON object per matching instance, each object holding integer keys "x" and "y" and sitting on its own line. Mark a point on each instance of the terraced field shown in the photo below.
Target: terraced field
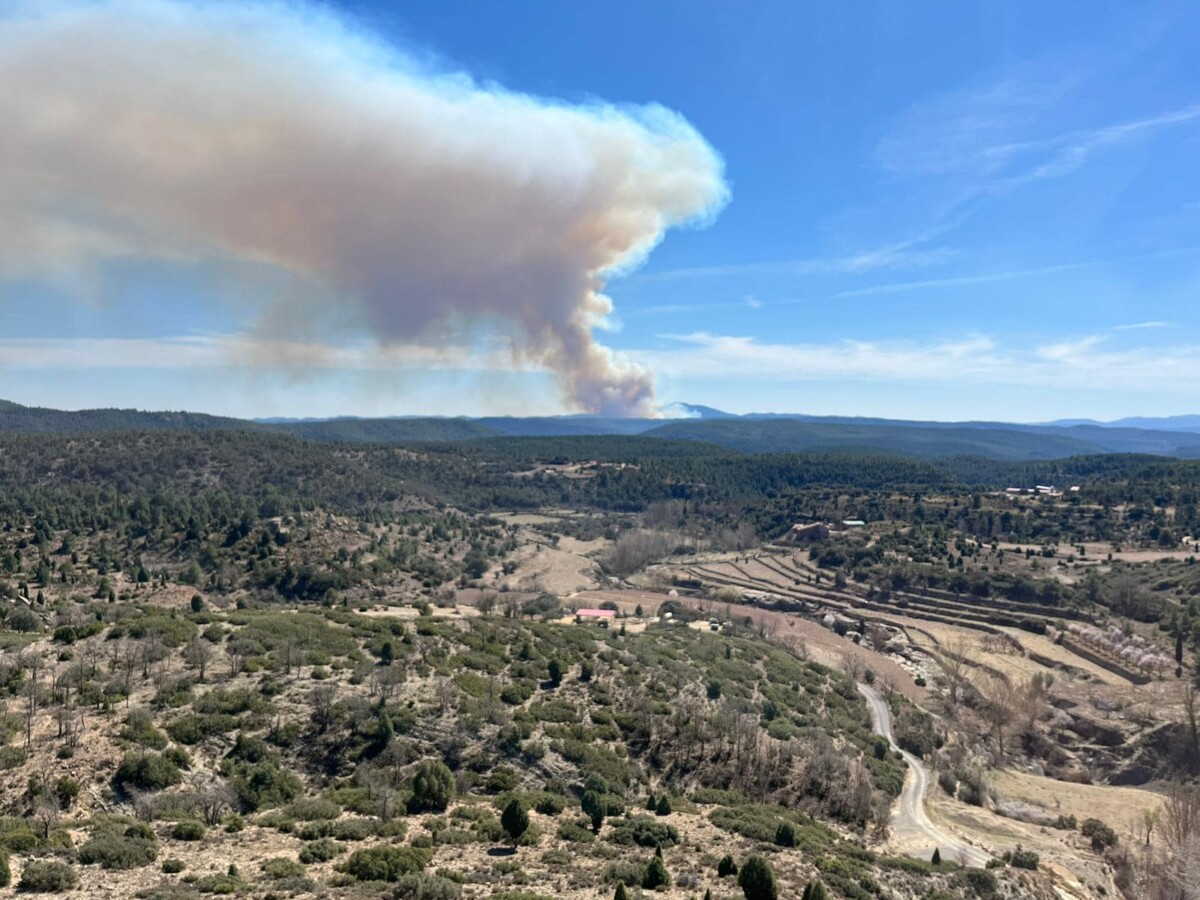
{"x": 1006, "y": 637}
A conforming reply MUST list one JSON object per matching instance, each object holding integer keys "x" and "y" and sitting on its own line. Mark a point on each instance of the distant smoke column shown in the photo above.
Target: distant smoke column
{"x": 422, "y": 205}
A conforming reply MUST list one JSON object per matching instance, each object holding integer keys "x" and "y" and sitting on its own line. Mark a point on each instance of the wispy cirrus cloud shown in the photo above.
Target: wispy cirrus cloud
{"x": 1088, "y": 362}
{"x": 908, "y": 254}
{"x": 1141, "y": 326}
{"x": 248, "y": 351}
{"x": 1005, "y": 132}
{"x": 981, "y": 278}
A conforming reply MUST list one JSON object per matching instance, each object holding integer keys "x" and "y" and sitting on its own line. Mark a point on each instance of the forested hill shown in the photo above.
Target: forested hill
{"x": 16, "y": 419}
{"x": 786, "y": 435}
{"x": 929, "y": 440}
{"x": 748, "y": 434}
{"x": 387, "y": 431}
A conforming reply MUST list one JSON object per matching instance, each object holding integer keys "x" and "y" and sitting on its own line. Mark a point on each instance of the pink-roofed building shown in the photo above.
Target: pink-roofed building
{"x": 601, "y": 616}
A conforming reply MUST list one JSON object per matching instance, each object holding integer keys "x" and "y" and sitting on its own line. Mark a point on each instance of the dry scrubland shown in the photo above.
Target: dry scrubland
{"x": 305, "y": 749}
{"x": 248, "y": 665}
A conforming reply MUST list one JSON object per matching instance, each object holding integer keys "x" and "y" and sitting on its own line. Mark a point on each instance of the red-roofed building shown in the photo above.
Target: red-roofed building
{"x": 602, "y": 616}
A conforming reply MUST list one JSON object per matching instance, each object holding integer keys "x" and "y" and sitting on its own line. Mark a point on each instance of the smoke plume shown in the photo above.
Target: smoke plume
{"x": 421, "y": 202}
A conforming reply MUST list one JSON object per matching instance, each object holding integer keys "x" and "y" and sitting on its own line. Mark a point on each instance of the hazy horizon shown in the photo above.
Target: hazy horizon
{"x": 369, "y": 209}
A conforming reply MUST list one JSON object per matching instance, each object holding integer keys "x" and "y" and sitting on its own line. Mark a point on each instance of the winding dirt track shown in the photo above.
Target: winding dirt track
{"x": 911, "y": 825}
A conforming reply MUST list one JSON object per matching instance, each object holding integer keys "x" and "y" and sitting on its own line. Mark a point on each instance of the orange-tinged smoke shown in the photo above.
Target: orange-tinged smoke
{"x": 420, "y": 202}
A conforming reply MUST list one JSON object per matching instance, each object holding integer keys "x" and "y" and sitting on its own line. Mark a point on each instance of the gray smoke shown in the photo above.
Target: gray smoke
{"x": 422, "y": 203}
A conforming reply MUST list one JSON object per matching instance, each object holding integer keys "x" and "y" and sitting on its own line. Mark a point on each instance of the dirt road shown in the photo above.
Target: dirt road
{"x": 911, "y": 826}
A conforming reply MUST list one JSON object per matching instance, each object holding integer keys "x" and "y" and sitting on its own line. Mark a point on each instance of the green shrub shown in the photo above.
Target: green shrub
{"x": 575, "y": 833}
{"x": 321, "y": 850}
{"x": 308, "y": 809}
{"x": 265, "y": 785}
{"x": 116, "y": 846}
{"x": 173, "y": 866}
{"x": 188, "y": 831}
{"x": 385, "y": 863}
{"x": 11, "y": 757}
{"x": 48, "y": 877}
{"x": 757, "y": 879}
{"x": 139, "y": 729}
{"x": 422, "y": 886}
{"x": 180, "y": 757}
{"x": 624, "y": 871}
{"x": 218, "y": 884}
{"x": 432, "y": 787}
{"x": 726, "y": 867}
{"x": 655, "y": 875}
{"x": 1102, "y": 835}
{"x": 281, "y": 867}
{"x": 981, "y": 881}
{"x": 354, "y": 829}
{"x": 1021, "y": 858}
{"x": 643, "y": 831}
{"x": 515, "y": 820}
{"x": 146, "y": 771}
{"x": 17, "y": 836}
{"x": 66, "y": 789}
{"x": 5, "y": 870}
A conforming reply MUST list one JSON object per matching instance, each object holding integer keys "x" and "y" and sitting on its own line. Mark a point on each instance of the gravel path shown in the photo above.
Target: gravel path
{"x": 911, "y": 825}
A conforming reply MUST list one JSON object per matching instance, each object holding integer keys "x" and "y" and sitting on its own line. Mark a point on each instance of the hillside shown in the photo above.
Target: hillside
{"x": 387, "y": 431}
{"x": 236, "y": 648}
{"x": 786, "y": 435}
{"x": 300, "y": 752}
{"x": 18, "y": 419}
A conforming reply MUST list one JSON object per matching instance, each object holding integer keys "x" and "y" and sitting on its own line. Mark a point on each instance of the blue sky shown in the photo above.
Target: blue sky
{"x": 935, "y": 210}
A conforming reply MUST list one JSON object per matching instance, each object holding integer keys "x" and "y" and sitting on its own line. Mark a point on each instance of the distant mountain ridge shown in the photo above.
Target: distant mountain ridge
{"x": 752, "y": 433}
{"x": 1150, "y": 423}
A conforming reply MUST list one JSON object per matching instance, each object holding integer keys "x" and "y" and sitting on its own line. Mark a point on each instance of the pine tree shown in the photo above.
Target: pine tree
{"x": 621, "y": 893}
{"x": 757, "y": 880}
{"x": 656, "y": 874}
{"x": 595, "y": 806}
{"x": 514, "y": 820}
{"x": 384, "y": 731}
{"x": 937, "y": 857}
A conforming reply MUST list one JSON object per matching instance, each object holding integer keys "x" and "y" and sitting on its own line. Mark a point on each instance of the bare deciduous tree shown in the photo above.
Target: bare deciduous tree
{"x": 955, "y": 660}
{"x": 198, "y": 654}
{"x": 999, "y": 708}
{"x": 213, "y": 798}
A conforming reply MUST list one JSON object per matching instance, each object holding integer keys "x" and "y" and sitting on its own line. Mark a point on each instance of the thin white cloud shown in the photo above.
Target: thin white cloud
{"x": 1003, "y": 132}
{"x": 250, "y": 352}
{"x": 1141, "y": 326}
{"x": 1083, "y": 364}
{"x": 894, "y": 257}
{"x": 955, "y": 281}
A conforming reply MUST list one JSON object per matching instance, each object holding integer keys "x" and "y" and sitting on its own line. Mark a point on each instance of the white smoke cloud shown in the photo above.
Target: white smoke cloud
{"x": 420, "y": 203}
